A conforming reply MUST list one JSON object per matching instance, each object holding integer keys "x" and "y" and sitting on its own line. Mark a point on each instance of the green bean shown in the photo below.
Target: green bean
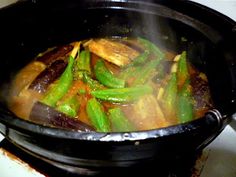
{"x": 93, "y": 84}
{"x": 142, "y": 58}
{"x": 62, "y": 86}
{"x": 123, "y": 94}
{"x": 81, "y": 91}
{"x": 185, "y": 103}
{"x": 146, "y": 72}
{"x": 97, "y": 116}
{"x": 83, "y": 64}
{"x": 119, "y": 121}
{"x": 182, "y": 70}
{"x": 152, "y": 48}
{"x": 129, "y": 72}
{"x": 69, "y": 106}
{"x": 104, "y": 76}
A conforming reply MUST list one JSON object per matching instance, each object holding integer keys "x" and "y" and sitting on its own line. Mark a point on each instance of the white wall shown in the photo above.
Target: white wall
{"x": 227, "y": 7}
{"x": 6, "y": 2}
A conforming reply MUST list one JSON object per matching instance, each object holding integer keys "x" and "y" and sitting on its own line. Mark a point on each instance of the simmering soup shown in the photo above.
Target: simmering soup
{"x": 110, "y": 85}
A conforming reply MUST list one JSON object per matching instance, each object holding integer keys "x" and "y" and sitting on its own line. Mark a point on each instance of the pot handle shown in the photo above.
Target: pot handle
{"x": 223, "y": 121}
{"x": 3, "y": 129}
{"x": 217, "y": 115}
{"x": 233, "y": 122}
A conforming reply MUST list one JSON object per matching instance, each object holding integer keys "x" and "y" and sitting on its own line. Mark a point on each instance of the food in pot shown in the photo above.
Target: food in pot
{"x": 110, "y": 85}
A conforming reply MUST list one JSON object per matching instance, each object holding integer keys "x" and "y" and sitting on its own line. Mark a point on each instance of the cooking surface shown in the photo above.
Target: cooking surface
{"x": 219, "y": 158}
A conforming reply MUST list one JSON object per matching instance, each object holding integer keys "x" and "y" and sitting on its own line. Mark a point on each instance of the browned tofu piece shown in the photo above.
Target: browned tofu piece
{"x": 148, "y": 114}
{"x": 113, "y": 51}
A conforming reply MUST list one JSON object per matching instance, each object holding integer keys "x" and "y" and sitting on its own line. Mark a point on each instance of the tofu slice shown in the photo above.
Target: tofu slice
{"x": 148, "y": 114}
{"x": 113, "y": 51}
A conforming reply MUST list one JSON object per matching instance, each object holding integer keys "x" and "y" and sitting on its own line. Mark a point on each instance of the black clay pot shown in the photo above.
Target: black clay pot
{"x": 28, "y": 28}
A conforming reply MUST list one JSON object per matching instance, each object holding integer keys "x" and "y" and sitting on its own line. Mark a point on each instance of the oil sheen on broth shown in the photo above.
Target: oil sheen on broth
{"x": 110, "y": 85}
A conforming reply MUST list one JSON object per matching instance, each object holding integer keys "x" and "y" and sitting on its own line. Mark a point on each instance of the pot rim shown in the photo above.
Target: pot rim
{"x": 16, "y": 123}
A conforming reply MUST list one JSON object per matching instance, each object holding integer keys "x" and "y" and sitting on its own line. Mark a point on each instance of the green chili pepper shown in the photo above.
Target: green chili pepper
{"x": 119, "y": 121}
{"x": 83, "y": 64}
{"x": 70, "y": 106}
{"x": 152, "y": 48}
{"x": 104, "y": 76}
{"x": 93, "y": 84}
{"x": 123, "y": 94}
{"x": 81, "y": 91}
{"x": 97, "y": 116}
{"x": 146, "y": 72}
{"x": 129, "y": 72}
{"x": 134, "y": 68}
{"x": 61, "y": 87}
{"x": 182, "y": 70}
{"x": 185, "y": 103}
{"x": 142, "y": 58}
{"x": 170, "y": 94}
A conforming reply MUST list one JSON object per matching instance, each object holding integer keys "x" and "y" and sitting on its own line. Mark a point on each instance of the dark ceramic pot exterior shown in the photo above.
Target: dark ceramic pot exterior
{"x": 28, "y": 28}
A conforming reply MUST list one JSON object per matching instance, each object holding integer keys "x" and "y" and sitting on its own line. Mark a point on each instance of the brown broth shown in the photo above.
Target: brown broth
{"x": 148, "y": 111}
